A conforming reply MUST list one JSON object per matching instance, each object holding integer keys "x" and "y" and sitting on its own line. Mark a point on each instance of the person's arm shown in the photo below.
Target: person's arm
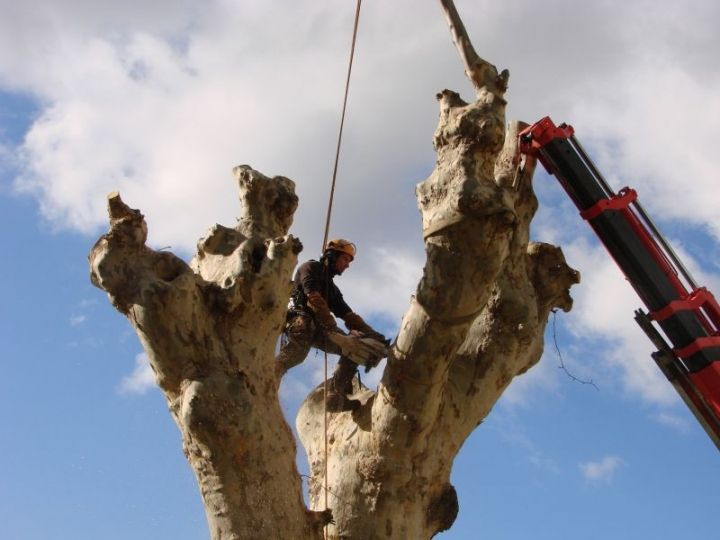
{"x": 311, "y": 282}
{"x": 321, "y": 312}
{"x": 353, "y": 321}
{"x": 337, "y": 303}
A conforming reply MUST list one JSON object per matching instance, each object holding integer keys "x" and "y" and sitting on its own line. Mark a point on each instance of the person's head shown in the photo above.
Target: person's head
{"x": 339, "y": 253}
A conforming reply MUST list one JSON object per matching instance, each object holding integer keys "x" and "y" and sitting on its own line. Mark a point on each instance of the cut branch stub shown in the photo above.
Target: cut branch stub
{"x": 245, "y": 264}
{"x": 125, "y": 221}
{"x": 122, "y": 265}
{"x": 267, "y": 205}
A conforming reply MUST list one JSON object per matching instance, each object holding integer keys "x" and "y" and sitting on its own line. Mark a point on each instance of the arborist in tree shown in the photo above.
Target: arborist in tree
{"x": 310, "y": 323}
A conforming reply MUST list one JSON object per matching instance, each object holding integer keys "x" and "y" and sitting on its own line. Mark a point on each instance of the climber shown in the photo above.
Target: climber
{"x": 310, "y": 323}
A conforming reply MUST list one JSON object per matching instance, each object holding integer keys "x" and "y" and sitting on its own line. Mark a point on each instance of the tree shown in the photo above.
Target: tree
{"x": 476, "y": 321}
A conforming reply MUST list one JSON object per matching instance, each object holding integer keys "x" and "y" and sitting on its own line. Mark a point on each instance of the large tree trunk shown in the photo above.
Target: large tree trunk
{"x": 476, "y": 321}
{"x": 209, "y": 330}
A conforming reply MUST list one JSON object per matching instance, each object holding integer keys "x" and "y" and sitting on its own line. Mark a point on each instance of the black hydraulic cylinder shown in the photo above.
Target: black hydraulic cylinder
{"x": 651, "y": 275}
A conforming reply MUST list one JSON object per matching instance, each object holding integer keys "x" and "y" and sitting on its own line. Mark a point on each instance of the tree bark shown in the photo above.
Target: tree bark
{"x": 209, "y": 329}
{"x": 476, "y": 321}
{"x": 482, "y": 74}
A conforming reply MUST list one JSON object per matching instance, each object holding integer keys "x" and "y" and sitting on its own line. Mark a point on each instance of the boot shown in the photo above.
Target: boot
{"x": 340, "y": 403}
{"x": 341, "y": 387}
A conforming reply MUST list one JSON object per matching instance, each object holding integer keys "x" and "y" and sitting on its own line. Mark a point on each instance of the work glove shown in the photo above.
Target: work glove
{"x": 364, "y": 351}
{"x": 355, "y": 323}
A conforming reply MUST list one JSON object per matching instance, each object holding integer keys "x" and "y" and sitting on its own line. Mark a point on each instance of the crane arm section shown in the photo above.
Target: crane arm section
{"x": 683, "y": 320}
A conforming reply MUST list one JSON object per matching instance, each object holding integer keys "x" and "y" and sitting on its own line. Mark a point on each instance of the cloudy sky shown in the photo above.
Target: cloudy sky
{"x": 160, "y": 100}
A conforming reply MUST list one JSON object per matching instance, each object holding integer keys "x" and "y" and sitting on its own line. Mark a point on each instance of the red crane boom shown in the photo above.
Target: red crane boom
{"x": 683, "y": 320}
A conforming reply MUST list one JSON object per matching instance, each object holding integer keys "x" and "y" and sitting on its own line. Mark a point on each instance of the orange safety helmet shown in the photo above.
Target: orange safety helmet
{"x": 341, "y": 245}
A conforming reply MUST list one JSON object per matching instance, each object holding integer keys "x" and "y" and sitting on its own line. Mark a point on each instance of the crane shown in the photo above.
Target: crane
{"x": 682, "y": 319}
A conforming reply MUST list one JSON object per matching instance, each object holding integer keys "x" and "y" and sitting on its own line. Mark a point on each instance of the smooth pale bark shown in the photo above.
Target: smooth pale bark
{"x": 209, "y": 329}
{"x": 476, "y": 321}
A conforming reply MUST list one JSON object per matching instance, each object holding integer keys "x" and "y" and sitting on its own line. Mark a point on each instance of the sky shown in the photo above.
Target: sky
{"x": 160, "y": 100}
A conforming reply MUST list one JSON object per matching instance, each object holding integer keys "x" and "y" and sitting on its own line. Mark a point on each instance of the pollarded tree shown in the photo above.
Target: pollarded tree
{"x": 476, "y": 321}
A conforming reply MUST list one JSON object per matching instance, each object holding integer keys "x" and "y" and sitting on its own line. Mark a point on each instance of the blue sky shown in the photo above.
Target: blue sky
{"x": 162, "y": 102}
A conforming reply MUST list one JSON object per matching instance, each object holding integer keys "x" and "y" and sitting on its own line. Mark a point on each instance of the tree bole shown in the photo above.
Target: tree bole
{"x": 475, "y": 322}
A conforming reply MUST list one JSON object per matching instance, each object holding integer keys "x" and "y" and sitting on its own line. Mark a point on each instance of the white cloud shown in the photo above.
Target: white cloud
{"x": 602, "y": 471}
{"x": 141, "y": 379}
{"x": 674, "y": 421}
{"x": 163, "y": 107}
{"x": 382, "y": 280}
{"x": 603, "y": 318}
{"x": 161, "y": 100}
{"x": 673, "y": 173}
{"x": 77, "y": 320}
{"x": 603, "y": 312}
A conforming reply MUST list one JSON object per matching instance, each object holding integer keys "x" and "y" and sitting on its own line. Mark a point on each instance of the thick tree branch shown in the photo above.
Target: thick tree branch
{"x": 505, "y": 341}
{"x": 209, "y": 329}
{"x": 476, "y": 321}
{"x": 507, "y": 338}
{"x": 468, "y": 223}
{"x": 482, "y": 74}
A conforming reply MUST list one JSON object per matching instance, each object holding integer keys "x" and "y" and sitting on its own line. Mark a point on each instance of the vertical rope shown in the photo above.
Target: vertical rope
{"x": 325, "y": 429}
{"x": 327, "y": 229}
{"x": 342, "y": 124}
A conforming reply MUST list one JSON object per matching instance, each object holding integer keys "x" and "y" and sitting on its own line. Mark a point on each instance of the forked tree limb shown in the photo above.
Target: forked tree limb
{"x": 476, "y": 321}
{"x": 209, "y": 329}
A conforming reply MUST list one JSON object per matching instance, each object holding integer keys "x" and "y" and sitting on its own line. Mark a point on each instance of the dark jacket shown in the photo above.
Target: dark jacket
{"x": 312, "y": 277}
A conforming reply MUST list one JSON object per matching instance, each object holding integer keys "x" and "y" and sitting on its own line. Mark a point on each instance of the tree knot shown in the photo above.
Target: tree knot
{"x": 442, "y": 510}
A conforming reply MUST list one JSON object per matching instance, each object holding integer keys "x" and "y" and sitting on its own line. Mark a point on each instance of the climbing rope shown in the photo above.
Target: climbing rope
{"x": 342, "y": 124}
{"x": 327, "y": 230}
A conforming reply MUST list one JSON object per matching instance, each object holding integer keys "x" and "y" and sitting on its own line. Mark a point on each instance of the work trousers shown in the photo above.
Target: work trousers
{"x": 302, "y": 334}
